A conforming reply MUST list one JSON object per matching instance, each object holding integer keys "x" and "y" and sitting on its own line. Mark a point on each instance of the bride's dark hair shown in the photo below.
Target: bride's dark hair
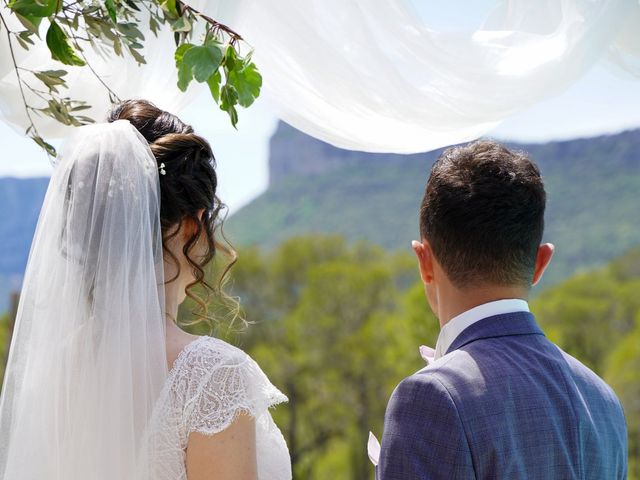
{"x": 188, "y": 186}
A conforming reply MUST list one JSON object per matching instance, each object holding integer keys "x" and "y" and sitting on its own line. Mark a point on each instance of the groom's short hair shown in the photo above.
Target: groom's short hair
{"x": 483, "y": 214}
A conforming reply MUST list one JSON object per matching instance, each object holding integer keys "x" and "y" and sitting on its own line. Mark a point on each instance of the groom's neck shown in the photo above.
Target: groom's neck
{"x": 453, "y": 301}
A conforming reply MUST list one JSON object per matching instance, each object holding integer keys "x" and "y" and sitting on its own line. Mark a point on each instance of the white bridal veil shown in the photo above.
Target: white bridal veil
{"x": 88, "y": 356}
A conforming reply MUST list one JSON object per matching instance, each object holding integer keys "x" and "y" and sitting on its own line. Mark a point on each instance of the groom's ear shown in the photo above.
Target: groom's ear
{"x": 543, "y": 257}
{"x": 425, "y": 260}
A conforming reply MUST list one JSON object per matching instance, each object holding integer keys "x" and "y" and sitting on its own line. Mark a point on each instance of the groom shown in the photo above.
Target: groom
{"x": 499, "y": 400}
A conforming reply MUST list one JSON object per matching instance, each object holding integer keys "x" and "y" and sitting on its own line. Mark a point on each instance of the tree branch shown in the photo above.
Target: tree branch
{"x": 20, "y": 81}
{"x": 214, "y": 24}
{"x": 84, "y": 57}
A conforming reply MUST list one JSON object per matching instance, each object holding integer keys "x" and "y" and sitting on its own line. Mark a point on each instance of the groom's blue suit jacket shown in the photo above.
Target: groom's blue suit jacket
{"x": 504, "y": 403}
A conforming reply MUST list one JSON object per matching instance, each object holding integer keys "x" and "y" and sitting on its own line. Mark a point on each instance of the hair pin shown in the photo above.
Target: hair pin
{"x": 162, "y": 170}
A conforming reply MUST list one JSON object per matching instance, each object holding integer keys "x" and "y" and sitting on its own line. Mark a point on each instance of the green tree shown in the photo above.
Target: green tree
{"x": 623, "y": 374}
{"x": 336, "y": 326}
{"x": 326, "y": 323}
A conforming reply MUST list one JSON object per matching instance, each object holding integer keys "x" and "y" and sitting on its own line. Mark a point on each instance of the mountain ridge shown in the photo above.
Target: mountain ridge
{"x": 592, "y": 186}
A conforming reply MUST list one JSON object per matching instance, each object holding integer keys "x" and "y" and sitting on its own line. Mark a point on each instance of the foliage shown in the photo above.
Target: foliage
{"x": 328, "y": 326}
{"x": 116, "y": 27}
{"x": 336, "y": 326}
{"x": 623, "y": 374}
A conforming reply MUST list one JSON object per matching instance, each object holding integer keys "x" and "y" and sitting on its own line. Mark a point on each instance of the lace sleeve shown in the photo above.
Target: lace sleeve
{"x": 225, "y": 382}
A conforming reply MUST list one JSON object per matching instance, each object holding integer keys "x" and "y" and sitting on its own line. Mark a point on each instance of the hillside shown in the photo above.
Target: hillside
{"x": 592, "y": 215}
{"x": 593, "y": 187}
{"x": 20, "y": 202}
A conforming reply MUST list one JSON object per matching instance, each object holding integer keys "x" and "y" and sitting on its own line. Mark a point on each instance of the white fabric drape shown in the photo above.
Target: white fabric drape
{"x": 369, "y": 75}
{"x": 87, "y": 360}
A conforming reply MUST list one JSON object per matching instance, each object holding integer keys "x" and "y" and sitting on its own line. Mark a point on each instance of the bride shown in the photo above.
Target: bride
{"x": 101, "y": 383}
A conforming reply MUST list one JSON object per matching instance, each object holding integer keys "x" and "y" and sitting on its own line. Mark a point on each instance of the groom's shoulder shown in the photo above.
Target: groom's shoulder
{"x": 588, "y": 382}
{"x": 453, "y": 368}
{"x": 434, "y": 381}
{"x": 418, "y": 396}
{"x": 465, "y": 375}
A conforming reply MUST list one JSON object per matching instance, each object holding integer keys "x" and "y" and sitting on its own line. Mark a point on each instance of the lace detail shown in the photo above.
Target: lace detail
{"x": 208, "y": 386}
{"x": 224, "y": 382}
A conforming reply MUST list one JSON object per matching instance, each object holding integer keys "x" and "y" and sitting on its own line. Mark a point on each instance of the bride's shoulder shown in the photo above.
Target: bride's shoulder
{"x": 217, "y": 381}
{"x": 206, "y": 351}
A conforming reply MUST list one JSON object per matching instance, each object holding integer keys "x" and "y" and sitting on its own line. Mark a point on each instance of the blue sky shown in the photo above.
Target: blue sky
{"x": 605, "y": 100}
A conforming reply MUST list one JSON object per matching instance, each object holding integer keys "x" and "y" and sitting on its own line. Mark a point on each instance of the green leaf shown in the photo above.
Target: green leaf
{"x": 153, "y": 26}
{"x": 230, "y": 59}
{"x": 107, "y": 29}
{"x": 58, "y": 44}
{"x": 131, "y": 30}
{"x": 247, "y": 82}
{"x": 204, "y": 60}
{"x": 48, "y": 147}
{"x": 214, "y": 85}
{"x": 117, "y": 46}
{"x": 111, "y": 9}
{"x": 55, "y": 73}
{"x": 58, "y": 111}
{"x": 30, "y": 22}
{"x": 137, "y": 56}
{"x": 185, "y": 74}
{"x": 26, "y": 37}
{"x": 181, "y": 25}
{"x": 133, "y": 5}
{"x": 22, "y": 43}
{"x": 181, "y": 50}
{"x": 229, "y": 98}
{"x": 31, "y": 8}
{"x": 52, "y": 78}
{"x": 170, "y": 7}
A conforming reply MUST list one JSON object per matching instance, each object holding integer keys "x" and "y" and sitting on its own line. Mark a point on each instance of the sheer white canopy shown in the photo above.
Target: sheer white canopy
{"x": 369, "y": 75}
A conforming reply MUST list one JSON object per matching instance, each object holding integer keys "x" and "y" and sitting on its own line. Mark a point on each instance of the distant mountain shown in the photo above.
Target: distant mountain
{"x": 20, "y": 202}
{"x": 592, "y": 214}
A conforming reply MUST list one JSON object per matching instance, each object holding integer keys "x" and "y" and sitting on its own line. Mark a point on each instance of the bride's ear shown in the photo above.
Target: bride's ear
{"x": 189, "y": 226}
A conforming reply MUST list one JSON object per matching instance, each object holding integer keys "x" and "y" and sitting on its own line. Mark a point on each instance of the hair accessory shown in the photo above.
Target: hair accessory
{"x": 162, "y": 170}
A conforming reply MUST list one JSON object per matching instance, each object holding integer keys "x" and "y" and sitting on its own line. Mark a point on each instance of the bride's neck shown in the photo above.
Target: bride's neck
{"x": 173, "y": 294}
{"x": 171, "y": 301}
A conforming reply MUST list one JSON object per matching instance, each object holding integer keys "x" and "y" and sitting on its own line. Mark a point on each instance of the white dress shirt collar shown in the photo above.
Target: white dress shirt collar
{"x": 459, "y": 323}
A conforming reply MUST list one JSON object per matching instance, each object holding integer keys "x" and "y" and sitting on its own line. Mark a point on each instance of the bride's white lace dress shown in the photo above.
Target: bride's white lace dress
{"x": 209, "y": 384}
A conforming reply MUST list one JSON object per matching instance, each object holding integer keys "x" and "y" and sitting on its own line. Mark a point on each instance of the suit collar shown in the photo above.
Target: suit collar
{"x": 454, "y": 327}
{"x": 516, "y": 323}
